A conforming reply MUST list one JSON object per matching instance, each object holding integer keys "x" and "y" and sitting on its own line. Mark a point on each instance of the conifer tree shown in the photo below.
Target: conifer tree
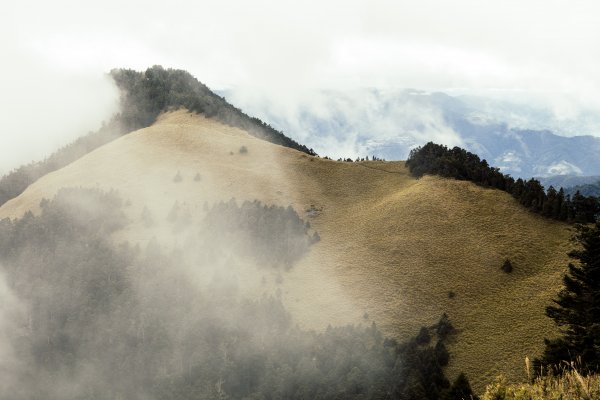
{"x": 461, "y": 389}
{"x": 577, "y": 309}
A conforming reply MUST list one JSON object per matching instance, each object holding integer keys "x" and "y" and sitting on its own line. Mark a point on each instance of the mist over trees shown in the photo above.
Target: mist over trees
{"x": 271, "y": 235}
{"x": 460, "y": 164}
{"x": 16, "y": 181}
{"x": 99, "y": 320}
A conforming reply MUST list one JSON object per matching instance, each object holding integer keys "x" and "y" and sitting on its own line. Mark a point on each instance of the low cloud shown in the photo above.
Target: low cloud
{"x": 47, "y": 108}
{"x": 54, "y": 88}
{"x": 13, "y": 324}
{"x": 353, "y": 123}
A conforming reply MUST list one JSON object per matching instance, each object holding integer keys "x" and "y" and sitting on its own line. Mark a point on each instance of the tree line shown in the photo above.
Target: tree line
{"x": 460, "y": 164}
{"x": 146, "y": 94}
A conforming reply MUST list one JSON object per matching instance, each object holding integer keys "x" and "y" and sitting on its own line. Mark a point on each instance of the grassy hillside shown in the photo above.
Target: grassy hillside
{"x": 144, "y": 95}
{"x": 392, "y": 247}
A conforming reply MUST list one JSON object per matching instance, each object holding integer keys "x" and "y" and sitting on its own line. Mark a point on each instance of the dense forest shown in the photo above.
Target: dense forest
{"x": 144, "y": 95}
{"x": 460, "y": 164}
{"x": 97, "y": 320}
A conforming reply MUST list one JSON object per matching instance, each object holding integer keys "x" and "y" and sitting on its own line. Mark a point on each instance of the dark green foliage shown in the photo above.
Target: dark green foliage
{"x": 340, "y": 363}
{"x": 444, "y": 327}
{"x": 461, "y": 389}
{"x": 441, "y": 353}
{"x": 273, "y": 236}
{"x": 453, "y": 163}
{"x": 243, "y": 150}
{"x": 374, "y": 158}
{"x": 507, "y": 266}
{"x": 584, "y": 209}
{"x": 105, "y": 321}
{"x": 146, "y": 94}
{"x": 420, "y": 373}
{"x": 423, "y": 337}
{"x": 460, "y": 164}
{"x": 422, "y": 365}
{"x": 577, "y": 309}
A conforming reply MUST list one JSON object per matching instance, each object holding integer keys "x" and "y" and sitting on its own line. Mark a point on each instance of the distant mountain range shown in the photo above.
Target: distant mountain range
{"x": 590, "y": 189}
{"x": 520, "y": 139}
{"x": 586, "y": 185}
{"x": 568, "y": 181}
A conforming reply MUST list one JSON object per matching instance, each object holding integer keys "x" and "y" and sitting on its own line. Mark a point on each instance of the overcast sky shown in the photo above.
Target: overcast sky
{"x": 56, "y": 54}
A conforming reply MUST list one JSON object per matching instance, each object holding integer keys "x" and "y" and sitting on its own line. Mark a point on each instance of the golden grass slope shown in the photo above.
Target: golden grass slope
{"x": 392, "y": 247}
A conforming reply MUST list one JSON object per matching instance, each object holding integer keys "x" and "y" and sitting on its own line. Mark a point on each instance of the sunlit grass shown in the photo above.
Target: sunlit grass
{"x": 570, "y": 385}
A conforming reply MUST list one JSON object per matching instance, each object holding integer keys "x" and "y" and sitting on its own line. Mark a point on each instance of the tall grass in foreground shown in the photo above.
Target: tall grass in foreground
{"x": 570, "y": 385}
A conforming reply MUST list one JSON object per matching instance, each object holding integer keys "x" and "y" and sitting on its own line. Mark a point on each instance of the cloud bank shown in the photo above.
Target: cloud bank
{"x": 58, "y": 53}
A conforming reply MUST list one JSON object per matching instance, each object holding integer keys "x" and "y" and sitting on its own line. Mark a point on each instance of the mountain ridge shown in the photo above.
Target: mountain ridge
{"x": 144, "y": 95}
{"x": 392, "y": 247}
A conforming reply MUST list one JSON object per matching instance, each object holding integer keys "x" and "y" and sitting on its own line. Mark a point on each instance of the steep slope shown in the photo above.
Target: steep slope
{"x": 392, "y": 248}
